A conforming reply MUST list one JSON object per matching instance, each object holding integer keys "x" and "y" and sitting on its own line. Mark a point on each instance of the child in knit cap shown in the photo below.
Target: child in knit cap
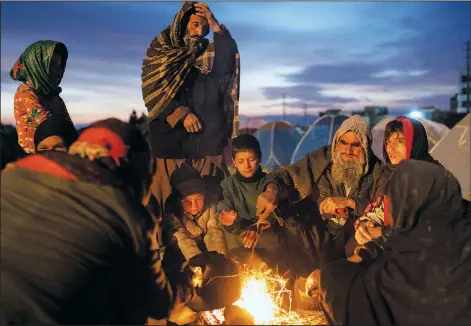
{"x": 191, "y": 219}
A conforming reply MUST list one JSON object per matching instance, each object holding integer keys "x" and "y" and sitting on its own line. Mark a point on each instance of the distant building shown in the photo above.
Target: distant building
{"x": 375, "y": 114}
{"x": 464, "y": 95}
{"x": 454, "y": 103}
{"x": 376, "y": 110}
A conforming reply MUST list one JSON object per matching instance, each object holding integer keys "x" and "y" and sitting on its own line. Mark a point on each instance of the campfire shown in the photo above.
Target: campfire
{"x": 263, "y": 293}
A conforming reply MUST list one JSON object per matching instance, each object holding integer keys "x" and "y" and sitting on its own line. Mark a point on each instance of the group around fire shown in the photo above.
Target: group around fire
{"x": 108, "y": 227}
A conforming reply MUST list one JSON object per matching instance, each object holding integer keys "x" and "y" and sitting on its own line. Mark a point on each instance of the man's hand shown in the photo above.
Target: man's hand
{"x": 250, "y": 238}
{"x": 266, "y": 203}
{"x": 367, "y": 232}
{"x": 192, "y": 123}
{"x": 203, "y": 10}
{"x": 227, "y": 218}
{"x": 331, "y": 204}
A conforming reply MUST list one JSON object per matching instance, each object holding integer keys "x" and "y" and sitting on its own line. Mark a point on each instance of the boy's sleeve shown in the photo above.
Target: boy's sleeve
{"x": 227, "y": 203}
{"x": 214, "y": 238}
{"x": 186, "y": 244}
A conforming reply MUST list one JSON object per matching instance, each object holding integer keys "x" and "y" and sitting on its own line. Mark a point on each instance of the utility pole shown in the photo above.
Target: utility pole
{"x": 284, "y": 106}
{"x": 305, "y": 114}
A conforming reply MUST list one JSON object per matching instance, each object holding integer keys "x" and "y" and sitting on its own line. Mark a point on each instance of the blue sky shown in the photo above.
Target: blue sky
{"x": 325, "y": 54}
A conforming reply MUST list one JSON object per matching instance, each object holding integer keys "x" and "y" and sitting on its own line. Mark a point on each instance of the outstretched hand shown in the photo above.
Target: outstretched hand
{"x": 251, "y": 235}
{"x": 266, "y": 203}
{"x": 227, "y": 217}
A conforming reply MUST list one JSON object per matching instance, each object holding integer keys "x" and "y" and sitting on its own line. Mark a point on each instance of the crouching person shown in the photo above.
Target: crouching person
{"x": 191, "y": 218}
{"x": 238, "y": 212}
{"x": 191, "y": 229}
{"x": 75, "y": 250}
{"x": 404, "y": 138}
{"x": 274, "y": 244}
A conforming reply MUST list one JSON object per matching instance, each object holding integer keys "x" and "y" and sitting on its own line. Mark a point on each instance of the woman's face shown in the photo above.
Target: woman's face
{"x": 396, "y": 147}
{"x": 56, "y": 68}
{"x": 193, "y": 204}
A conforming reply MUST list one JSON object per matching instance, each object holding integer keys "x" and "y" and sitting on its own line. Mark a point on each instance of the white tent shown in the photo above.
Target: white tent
{"x": 277, "y": 142}
{"x": 319, "y": 134}
{"x": 435, "y": 131}
{"x": 453, "y": 151}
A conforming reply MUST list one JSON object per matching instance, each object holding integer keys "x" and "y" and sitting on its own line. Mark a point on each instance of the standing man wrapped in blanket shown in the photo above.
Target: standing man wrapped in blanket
{"x": 190, "y": 87}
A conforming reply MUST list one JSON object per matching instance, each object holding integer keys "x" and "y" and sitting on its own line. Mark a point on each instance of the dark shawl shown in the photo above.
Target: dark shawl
{"x": 424, "y": 274}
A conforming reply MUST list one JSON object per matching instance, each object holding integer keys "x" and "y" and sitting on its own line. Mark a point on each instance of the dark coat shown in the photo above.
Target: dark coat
{"x": 305, "y": 184}
{"x": 422, "y": 273}
{"x": 203, "y": 95}
{"x": 74, "y": 251}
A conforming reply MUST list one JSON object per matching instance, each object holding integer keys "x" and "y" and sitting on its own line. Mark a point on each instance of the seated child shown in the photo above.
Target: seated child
{"x": 190, "y": 218}
{"x": 273, "y": 242}
{"x": 191, "y": 227}
{"x": 404, "y": 138}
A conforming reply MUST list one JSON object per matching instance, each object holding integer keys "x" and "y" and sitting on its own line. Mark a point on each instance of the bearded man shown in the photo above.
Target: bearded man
{"x": 338, "y": 179}
{"x": 190, "y": 87}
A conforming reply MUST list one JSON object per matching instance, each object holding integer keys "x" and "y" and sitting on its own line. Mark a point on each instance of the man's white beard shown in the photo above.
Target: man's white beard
{"x": 195, "y": 45}
{"x": 347, "y": 173}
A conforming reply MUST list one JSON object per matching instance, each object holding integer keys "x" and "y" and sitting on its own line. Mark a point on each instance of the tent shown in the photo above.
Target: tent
{"x": 250, "y": 125}
{"x": 435, "y": 132}
{"x": 453, "y": 151}
{"x": 319, "y": 134}
{"x": 277, "y": 141}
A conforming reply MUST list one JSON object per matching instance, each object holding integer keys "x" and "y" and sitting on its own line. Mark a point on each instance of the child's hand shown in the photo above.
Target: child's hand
{"x": 250, "y": 238}
{"x": 227, "y": 218}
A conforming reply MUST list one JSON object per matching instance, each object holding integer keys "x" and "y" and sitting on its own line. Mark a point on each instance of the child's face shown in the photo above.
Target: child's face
{"x": 193, "y": 204}
{"x": 246, "y": 163}
{"x": 396, "y": 148}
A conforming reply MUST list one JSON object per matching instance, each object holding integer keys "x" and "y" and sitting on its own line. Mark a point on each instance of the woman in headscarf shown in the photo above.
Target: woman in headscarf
{"x": 75, "y": 246}
{"x": 422, "y": 274}
{"x": 40, "y": 69}
{"x": 404, "y": 138}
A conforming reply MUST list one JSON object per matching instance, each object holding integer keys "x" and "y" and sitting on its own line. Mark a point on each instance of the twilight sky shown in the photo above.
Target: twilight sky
{"x": 325, "y": 54}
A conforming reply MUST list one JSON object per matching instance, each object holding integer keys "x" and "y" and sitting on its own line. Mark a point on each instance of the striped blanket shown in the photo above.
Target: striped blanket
{"x": 168, "y": 62}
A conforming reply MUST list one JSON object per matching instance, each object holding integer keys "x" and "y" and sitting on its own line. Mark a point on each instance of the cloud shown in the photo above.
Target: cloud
{"x": 422, "y": 70}
{"x": 324, "y": 54}
{"x": 304, "y": 93}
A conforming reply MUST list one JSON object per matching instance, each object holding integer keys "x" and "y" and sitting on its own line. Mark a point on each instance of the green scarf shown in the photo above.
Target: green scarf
{"x": 33, "y": 67}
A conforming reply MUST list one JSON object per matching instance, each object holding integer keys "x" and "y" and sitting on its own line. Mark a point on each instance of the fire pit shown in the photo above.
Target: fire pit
{"x": 264, "y": 293}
